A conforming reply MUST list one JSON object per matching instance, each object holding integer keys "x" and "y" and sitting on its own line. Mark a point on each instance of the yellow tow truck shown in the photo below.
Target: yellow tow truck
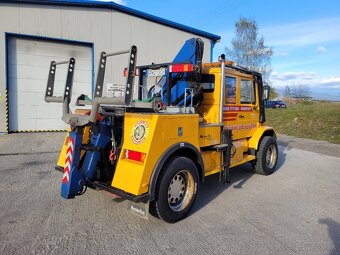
{"x": 189, "y": 120}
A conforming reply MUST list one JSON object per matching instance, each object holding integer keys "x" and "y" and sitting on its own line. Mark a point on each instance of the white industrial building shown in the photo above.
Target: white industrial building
{"x": 33, "y": 33}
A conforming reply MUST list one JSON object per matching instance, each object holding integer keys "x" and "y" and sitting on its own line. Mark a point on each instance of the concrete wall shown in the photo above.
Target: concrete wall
{"x": 108, "y": 30}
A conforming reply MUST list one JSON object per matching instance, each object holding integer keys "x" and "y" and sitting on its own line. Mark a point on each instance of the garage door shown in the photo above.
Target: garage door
{"x": 28, "y": 62}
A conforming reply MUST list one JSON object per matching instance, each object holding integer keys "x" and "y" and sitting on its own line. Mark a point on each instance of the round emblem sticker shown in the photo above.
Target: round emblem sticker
{"x": 139, "y": 132}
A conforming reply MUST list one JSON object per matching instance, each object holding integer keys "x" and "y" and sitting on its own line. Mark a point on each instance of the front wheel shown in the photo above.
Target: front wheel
{"x": 266, "y": 156}
{"x": 176, "y": 190}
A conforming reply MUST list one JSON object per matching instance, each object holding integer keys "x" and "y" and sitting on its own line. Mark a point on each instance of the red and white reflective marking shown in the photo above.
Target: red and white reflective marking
{"x": 229, "y": 116}
{"x": 68, "y": 160}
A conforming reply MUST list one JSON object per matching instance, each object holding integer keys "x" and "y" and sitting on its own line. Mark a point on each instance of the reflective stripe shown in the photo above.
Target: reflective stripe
{"x": 68, "y": 161}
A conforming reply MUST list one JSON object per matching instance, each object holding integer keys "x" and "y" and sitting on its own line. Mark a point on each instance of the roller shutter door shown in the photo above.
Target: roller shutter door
{"x": 28, "y": 63}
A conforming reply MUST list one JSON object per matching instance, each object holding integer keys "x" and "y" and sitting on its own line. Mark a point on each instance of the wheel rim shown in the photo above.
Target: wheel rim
{"x": 271, "y": 156}
{"x": 181, "y": 190}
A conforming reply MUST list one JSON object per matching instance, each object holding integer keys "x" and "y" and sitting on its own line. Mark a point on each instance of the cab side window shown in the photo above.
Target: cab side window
{"x": 247, "y": 92}
{"x": 230, "y": 90}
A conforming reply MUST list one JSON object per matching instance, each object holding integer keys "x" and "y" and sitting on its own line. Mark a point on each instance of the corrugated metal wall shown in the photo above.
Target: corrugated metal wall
{"x": 28, "y": 62}
{"x": 108, "y": 30}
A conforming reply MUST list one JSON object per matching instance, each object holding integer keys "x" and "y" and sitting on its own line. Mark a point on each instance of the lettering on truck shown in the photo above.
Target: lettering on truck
{"x": 240, "y": 126}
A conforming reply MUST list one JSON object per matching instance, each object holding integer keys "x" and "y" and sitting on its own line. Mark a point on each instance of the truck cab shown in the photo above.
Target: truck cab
{"x": 243, "y": 111}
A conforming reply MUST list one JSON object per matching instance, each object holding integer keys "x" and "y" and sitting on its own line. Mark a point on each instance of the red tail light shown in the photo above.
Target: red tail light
{"x": 136, "y": 72}
{"x": 181, "y": 68}
{"x": 134, "y": 155}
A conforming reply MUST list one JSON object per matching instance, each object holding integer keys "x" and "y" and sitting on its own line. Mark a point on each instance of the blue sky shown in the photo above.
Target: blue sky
{"x": 305, "y": 35}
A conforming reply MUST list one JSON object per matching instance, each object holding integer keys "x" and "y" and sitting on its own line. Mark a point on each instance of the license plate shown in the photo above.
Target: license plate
{"x": 155, "y": 72}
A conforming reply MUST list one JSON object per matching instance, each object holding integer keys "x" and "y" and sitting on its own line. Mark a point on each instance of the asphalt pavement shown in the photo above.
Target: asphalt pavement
{"x": 296, "y": 210}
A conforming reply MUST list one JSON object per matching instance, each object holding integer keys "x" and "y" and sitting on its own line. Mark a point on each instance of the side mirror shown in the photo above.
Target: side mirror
{"x": 266, "y": 92}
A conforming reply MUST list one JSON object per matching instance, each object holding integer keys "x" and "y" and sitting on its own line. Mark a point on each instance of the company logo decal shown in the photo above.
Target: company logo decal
{"x": 140, "y": 132}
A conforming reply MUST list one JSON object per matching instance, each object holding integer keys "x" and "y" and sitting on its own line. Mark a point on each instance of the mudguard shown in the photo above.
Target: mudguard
{"x": 259, "y": 133}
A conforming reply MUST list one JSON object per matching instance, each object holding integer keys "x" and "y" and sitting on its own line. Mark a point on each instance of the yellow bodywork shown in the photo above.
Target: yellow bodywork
{"x": 162, "y": 131}
{"x": 201, "y": 130}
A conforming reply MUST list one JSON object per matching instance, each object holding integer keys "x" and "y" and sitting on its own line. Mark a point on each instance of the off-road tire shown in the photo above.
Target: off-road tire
{"x": 266, "y": 156}
{"x": 176, "y": 190}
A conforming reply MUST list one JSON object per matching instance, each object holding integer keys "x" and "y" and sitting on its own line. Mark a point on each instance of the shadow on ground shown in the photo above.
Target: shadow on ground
{"x": 333, "y": 228}
{"x": 19, "y": 167}
{"x": 212, "y": 188}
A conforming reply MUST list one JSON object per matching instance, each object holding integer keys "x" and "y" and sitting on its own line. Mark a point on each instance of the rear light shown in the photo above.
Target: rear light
{"x": 135, "y": 155}
{"x": 181, "y": 68}
{"x": 136, "y": 73}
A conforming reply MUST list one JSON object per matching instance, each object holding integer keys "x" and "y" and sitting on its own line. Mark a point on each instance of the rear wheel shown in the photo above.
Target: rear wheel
{"x": 266, "y": 156}
{"x": 176, "y": 190}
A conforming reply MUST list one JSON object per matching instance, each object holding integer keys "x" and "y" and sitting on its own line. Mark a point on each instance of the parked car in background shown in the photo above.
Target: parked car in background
{"x": 275, "y": 104}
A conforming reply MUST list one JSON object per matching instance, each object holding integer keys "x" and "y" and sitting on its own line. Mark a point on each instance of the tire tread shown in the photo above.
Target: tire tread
{"x": 261, "y": 165}
{"x": 158, "y": 210}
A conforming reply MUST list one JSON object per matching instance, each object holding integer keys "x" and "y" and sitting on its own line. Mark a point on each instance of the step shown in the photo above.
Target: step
{"x": 220, "y": 147}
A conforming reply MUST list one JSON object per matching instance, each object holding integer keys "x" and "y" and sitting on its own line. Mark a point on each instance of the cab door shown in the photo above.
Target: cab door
{"x": 241, "y": 111}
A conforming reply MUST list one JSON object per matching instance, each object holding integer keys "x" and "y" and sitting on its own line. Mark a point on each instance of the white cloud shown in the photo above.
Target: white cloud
{"x": 121, "y": 2}
{"x": 321, "y": 49}
{"x": 331, "y": 82}
{"x": 293, "y": 76}
{"x": 310, "y": 79}
{"x": 303, "y": 33}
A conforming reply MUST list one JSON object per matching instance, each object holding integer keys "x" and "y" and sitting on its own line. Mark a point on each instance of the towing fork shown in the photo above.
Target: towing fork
{"x": 79, "y": 172}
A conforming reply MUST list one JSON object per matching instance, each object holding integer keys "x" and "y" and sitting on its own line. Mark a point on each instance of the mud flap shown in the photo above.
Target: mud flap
{"x": 139, "y": 209}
